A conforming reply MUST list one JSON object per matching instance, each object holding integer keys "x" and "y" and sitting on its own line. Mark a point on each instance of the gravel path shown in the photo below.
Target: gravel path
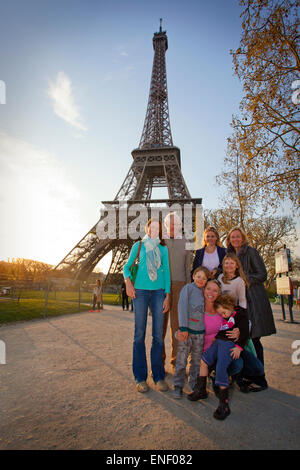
{"x": 67, "y": 384}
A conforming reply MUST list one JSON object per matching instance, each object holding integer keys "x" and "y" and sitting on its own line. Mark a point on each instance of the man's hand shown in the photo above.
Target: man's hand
{"x": 182, "y": 335}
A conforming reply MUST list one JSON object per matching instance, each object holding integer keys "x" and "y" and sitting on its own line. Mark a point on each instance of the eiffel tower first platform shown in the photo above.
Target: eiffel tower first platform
{"x": 156, "y": 164}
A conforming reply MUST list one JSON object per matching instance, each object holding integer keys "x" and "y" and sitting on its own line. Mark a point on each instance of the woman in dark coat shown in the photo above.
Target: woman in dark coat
{"x": 258, "y": 305}
{"x": 211, "y": 254}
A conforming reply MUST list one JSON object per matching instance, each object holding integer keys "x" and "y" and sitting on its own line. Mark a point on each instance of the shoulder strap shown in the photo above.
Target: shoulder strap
{"x": 138, "y": 253}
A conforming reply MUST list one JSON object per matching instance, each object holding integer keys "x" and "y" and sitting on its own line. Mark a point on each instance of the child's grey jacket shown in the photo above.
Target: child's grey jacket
{"x": 191, "y": 309}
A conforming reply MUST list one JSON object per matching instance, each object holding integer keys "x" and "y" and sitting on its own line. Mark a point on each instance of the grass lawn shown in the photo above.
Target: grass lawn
{"x": 32, "y": 305}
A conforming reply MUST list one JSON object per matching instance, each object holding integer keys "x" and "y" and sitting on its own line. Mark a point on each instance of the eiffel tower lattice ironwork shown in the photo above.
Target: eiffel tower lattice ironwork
{"x": 156, "y": 163}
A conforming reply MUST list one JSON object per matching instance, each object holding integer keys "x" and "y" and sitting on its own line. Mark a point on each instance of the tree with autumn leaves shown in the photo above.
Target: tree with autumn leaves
{"x": 266, "y": 134}
{"x": 262, "y": 165}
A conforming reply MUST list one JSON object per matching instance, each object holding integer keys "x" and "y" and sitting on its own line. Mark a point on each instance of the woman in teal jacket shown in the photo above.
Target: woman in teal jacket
{"x": 151, "y": 289}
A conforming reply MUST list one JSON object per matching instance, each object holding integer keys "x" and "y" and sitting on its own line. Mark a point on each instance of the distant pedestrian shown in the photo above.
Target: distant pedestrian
{"x": 291, "y": 296}
{"x": 125, "y": 303}
{"x": 97, "y": 296}
{"x": 298, "y": 298}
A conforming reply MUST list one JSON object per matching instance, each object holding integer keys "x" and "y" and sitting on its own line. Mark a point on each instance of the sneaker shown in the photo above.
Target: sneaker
{"x": 177, "y": 393}
{"x": 91, "y": 310}
{"x": 98, "y": 310}
{"x": 142, "y": 387}
{"x": 162, "y": 386}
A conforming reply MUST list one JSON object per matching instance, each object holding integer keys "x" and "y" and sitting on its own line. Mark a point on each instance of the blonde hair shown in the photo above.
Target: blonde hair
{"x": 238, "y": 271}
{"x": 215, "y": 231}
{"x": 242, "y": 232}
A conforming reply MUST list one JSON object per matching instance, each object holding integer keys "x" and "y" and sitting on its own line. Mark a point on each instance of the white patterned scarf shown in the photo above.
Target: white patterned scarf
{"x": 152, "y": 256}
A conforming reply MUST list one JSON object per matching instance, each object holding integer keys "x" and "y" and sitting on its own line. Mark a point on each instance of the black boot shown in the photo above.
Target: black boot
{"x": 223, "y": 409}
{"x": 216, "y": 388}
{"x": 199, "y": 391}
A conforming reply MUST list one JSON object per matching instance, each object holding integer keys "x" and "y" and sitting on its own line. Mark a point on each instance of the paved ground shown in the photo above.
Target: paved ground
{"x": 67, "y": 384}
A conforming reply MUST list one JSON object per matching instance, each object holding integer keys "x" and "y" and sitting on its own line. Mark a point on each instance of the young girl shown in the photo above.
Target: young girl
{"x": 191, "y": 330}
{"x": 233, "y": 280}
{"x": 223, "y": 350}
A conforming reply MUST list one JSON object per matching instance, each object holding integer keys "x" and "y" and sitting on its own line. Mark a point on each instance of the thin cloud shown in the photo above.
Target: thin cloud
{"x": 64, "y": 106}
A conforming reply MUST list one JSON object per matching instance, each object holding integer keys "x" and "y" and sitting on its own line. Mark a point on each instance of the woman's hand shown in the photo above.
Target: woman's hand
{"x": 182, "y": 335}
{"x": 166, "y": 304}
{"x": 235, "y": 353}
{"x": 130, "y": 290}
{"x": 234, "y": 334}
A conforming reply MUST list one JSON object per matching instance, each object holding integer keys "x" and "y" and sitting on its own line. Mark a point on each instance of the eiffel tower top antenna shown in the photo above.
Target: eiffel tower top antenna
{"x": 160, "y": 23}
{"x": 157, "y": 130}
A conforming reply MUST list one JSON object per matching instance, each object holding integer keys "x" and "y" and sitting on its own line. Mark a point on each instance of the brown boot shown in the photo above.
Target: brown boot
{"x": 199, "y": 391}
{"x": 223, "y": 409}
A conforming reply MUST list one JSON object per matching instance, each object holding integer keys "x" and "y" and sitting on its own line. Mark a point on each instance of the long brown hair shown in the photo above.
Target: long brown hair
{"x": 162, "y": 242}
{"x": 238, "y": 271}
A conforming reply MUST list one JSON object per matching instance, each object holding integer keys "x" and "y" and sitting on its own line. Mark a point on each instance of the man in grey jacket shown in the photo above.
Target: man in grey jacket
{"x": 180, "y": 268}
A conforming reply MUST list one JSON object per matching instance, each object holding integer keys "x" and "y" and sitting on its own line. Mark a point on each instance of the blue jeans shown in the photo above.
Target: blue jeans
{"x": 248, "y": 366}
{"x": 219, "y": 350}
{"x": 143, "y": 299}
{"x": 236, "y": 366}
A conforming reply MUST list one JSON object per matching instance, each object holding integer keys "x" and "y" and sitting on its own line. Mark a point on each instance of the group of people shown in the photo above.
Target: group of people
{"x": 218, "y": 311}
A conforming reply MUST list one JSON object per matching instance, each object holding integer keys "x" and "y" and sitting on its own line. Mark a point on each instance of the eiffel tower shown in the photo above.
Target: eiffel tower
{"x": 156, "y": 164}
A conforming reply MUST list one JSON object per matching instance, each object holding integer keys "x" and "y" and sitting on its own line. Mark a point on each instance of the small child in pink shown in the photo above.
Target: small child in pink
{"x": 223, "y": 350}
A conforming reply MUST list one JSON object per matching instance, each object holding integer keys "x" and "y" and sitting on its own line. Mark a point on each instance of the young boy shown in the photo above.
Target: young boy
{"x": 191, "y": 330}
{"x": 223, "y": 350}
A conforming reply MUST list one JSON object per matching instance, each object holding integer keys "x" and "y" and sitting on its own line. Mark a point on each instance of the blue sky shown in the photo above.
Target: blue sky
{"x": 77, "y": 76}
